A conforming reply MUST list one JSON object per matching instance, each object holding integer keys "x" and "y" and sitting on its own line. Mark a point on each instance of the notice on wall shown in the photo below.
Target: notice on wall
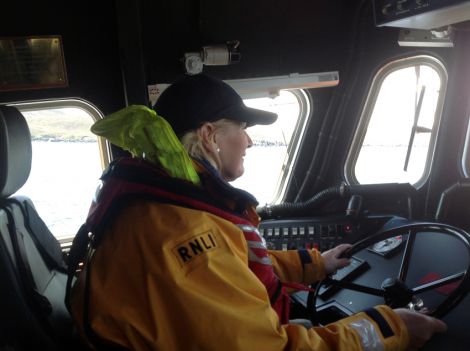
{"x": 32, "y": 63}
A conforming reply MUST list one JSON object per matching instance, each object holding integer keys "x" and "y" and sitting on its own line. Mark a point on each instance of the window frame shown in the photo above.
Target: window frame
{"x": 369, "y": 105}
{"x": 465, "y": 162}
{"x": 92, "y": 110}
{"x": 305, "y": 109}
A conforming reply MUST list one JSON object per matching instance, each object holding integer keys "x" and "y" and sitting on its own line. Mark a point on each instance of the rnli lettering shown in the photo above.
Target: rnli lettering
{"x": 195, "y": 247}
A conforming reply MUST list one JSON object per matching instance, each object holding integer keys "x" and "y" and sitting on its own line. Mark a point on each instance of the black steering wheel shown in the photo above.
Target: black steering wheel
{"x": 394, "y": 290}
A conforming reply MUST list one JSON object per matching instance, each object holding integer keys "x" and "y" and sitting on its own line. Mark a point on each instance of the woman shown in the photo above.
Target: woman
{"x": 176, "y": 261}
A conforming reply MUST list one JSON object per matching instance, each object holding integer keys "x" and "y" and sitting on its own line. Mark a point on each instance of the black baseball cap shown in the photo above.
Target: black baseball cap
{"x": 193, "y": 100}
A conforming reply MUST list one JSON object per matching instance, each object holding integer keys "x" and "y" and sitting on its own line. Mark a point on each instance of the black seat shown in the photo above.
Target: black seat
{"x": 454, "y": 205}
{"x": 32, "y": 270}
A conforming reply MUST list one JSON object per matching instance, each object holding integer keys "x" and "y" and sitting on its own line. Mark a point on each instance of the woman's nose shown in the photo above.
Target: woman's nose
{"x": 250, "y": 142}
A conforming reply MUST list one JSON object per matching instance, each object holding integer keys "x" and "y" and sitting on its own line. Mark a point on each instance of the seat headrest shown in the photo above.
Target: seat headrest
{"x": 15, "y": 150}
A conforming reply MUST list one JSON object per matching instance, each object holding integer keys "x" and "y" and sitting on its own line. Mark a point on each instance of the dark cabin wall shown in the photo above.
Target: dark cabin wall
{"x": 277, "y": 37}
{"x": 90, "y": 43}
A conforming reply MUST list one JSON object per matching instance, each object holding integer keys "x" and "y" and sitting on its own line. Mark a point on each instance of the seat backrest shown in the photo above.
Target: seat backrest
{"x": 454, "y": 205}
{"x": 32, "y": 270}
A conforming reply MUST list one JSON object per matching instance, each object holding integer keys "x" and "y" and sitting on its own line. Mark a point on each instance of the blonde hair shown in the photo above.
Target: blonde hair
{"x": 193, "y": 143}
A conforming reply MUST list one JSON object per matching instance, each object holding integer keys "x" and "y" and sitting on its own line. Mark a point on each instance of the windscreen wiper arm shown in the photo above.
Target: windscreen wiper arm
{"x": 415, "y": 127}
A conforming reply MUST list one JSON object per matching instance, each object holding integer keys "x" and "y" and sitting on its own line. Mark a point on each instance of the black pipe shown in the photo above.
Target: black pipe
{"x": 295, "y": 209}
{"x": 298, "y": 209}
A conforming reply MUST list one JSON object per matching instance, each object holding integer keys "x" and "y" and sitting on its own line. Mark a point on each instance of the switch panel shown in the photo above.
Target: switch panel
{"x": 309, "y": 233}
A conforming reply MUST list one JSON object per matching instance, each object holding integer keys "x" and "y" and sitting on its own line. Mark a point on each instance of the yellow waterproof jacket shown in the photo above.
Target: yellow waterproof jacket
{"x": 145, "y": 295}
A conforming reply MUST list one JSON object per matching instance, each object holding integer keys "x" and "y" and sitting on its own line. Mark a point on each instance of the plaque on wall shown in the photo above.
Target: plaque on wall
{"x": 32, "y": 63}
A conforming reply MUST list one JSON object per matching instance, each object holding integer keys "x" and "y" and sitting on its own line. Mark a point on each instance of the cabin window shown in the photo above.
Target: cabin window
{"x": 396, "y": 135}
{"x": 269, "y": 161}
{"x": 67, "y": 162}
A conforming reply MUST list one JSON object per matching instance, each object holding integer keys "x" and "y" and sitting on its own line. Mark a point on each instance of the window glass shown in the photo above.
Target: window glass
{"x": 66, "y": 166}
{"x": 395, "y": 139}
{"x": 265, "y": 162}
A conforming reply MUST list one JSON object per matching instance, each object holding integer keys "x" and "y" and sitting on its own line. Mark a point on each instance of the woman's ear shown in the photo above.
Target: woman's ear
{"x": 207, "y": 135}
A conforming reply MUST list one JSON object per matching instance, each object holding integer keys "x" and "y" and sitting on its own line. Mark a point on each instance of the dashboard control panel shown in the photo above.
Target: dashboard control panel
{"x": 319, "y": 233}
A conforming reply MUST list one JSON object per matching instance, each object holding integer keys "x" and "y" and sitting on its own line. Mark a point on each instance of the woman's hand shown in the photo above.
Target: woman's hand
{"x": 420, "y": 327}
{"x": 331, "y": 258}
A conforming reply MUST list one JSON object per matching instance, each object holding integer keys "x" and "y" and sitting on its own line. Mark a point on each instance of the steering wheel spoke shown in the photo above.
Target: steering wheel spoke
{"x": 405, "y": 262}
{"x": 355, "y": 287}
{"x": 438, "y": 283}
